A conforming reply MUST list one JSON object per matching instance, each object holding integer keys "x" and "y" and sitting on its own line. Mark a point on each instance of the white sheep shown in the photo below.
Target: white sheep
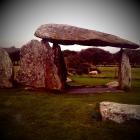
{"x": 93, "y": 72}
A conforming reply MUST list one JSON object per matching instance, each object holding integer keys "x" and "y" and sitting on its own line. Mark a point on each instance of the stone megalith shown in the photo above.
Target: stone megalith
{"x": 32, "y": 64}
{"x": 37, "y": 67}
{"x": 53, "y": 73}
{"x": 119, "y": 112}
{"x": 5, "y": 70}
{"x": 68, "y": 35}
{"x": 60, "y": 63}
{"x": 124, "y": 72}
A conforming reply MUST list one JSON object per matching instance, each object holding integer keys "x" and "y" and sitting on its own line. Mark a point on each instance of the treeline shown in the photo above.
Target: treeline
{"x": 92, "y": 56}
{"x": 14, "y": 54}
{"x": 134, "y": 57}
{"x": 86, "y": 60}
{"x": 97, "y": 56}
{"x": 89, "y": 59}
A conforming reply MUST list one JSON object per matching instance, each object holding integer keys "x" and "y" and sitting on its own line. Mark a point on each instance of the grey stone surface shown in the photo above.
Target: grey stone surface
{"x": 60, "y": 63}
{"x": 69, "y": 35}
{"x": 113, "y": 84}
{"x": 119, "y": 112}
{"x": 5, "y": 70}
{"x": 124, "y": 72}
{"x": 32, "y": 70}
{"x": 37, "y": 67}
{"x": 53, "y": 72}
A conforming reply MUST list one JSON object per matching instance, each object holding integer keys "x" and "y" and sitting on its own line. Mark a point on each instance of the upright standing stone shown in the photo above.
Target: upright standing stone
{"x": 53, "y": 74}
{"x": 32, "y": 64}
{"x": 5, "y": 69}
{"x": 60, "y": 63}
{"x": 124, "y": 72}
{"x": 119, "y": 112}
{"x": 37, "y": 68}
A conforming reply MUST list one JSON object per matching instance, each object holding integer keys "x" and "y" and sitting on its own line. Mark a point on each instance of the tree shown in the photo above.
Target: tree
{"x": 133, "y": 55}
{"x": 96, "y": 56}
{"x": 72, "y": 59}
{"x": 14, "y": 53}
{"x": 83, "y": 60}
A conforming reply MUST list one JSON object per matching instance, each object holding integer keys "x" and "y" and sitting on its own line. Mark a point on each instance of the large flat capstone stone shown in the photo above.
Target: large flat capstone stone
{"x": 69, "y": 35}
{"x": 119, "y": 112}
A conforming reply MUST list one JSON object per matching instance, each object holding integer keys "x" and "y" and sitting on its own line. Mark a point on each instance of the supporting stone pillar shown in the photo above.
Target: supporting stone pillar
{"x": 41, "y": 66}
{"x": 33, "y": 57}
{"x": 124, "y": 74}
{"x": 53, "y": 80}
{"x": 60, "y": 63}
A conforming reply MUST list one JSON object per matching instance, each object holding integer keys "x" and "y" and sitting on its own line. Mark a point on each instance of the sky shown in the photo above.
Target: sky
{"x": 20, "y": 19}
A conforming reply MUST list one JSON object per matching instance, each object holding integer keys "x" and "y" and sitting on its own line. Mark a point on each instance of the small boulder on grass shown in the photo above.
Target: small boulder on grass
{"x": 68, "y": 80}
{"x": 119, "y": 112}
{"x": 113, "y": 84}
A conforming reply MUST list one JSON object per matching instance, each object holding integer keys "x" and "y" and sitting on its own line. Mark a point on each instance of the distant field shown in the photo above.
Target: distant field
{"x": 136, "y": 73}
{"x": 113, "y": 72}
{"x": 107, "y": 74}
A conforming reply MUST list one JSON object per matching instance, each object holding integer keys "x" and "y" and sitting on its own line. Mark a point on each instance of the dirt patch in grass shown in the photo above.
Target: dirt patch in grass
{"x": 85, "y": 90}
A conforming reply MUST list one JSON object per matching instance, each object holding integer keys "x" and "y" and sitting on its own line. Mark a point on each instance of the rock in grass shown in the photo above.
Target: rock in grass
{"x": 68, "y": 80}
{"x": 113, "y": 84}
{"x": 5, "y": 70}
{"x": 119, "y": 112}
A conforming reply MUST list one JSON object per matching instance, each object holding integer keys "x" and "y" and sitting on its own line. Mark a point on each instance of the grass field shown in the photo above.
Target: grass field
{"x": 42, "y": 115}
{"x": 108, "y": 74}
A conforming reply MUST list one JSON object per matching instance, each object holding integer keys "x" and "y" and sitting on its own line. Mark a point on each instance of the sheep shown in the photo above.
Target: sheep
{"x": 93, "y": 72}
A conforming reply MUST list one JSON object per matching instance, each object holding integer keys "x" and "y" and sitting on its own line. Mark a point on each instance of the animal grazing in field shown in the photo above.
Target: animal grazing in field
{"x": 93, "y": 72}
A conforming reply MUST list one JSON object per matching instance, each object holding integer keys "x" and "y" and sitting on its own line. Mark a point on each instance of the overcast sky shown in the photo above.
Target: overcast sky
{"x": 20, "y": 18}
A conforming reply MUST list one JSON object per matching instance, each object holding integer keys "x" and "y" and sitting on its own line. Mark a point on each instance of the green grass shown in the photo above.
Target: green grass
{"x": 42, "y": 115}
{"x": 136, "y": 73}
{"x": 88, "y": 81}
{"x": 85, "y": 80}
{"x": 108, "y": 74}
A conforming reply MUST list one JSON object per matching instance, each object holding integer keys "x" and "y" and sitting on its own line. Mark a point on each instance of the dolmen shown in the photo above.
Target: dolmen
{"x": 43, "y": 66}
{"x": 68, "y": 35}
